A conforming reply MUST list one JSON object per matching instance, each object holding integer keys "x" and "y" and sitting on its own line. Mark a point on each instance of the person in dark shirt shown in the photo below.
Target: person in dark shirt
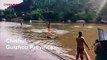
{"x": 99, "y": 51}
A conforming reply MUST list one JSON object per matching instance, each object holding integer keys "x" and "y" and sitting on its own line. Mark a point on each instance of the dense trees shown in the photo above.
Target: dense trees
{"x": 52, "y": 10}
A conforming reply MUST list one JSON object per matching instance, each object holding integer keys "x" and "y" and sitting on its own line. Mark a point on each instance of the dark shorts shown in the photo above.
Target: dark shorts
{"x": 80, "y": 50}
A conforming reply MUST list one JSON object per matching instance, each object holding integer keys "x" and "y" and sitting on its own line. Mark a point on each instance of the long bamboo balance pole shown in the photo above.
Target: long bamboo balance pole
{"x": 88, "y": 53}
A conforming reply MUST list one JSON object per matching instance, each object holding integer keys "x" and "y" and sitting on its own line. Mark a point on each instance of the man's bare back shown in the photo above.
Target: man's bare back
{"x": 80, "y": 42}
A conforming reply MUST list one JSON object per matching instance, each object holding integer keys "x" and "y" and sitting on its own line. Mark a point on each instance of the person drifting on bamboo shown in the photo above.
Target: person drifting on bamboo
{"x": 49, "y": 34}
{"x": 80, "y": 46}
{"x": 49, "y": 27}
{"x": 21, "y": 22}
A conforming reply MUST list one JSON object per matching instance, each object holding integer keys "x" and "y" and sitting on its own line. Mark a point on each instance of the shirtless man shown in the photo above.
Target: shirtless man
{"x": 80, "y": 46}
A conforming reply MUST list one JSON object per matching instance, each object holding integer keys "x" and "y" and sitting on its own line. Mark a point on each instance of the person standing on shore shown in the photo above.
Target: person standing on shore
{"x": 80, "y": 46}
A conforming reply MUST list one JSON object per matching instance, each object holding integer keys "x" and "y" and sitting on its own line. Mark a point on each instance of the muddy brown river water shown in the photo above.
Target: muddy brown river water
{"x": 16, "y": 42}
{"x": 68, "y": 40}
{"x": 21, "y": 43}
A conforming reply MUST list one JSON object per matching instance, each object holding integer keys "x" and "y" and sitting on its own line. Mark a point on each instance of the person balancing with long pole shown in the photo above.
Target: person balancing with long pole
{"x": 50, "y": 34}
{"x": 80, "y": 46}
{"x": 49, "y": 27}
{"x": 49, "y": 30}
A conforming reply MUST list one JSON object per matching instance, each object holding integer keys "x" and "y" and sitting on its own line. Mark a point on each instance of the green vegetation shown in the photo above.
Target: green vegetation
{"x": 52, "y": 10}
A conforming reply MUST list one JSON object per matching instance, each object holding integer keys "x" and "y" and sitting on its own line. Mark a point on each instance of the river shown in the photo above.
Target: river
{"x": 29, "y": 42}
{"x": 16, "y": 44}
